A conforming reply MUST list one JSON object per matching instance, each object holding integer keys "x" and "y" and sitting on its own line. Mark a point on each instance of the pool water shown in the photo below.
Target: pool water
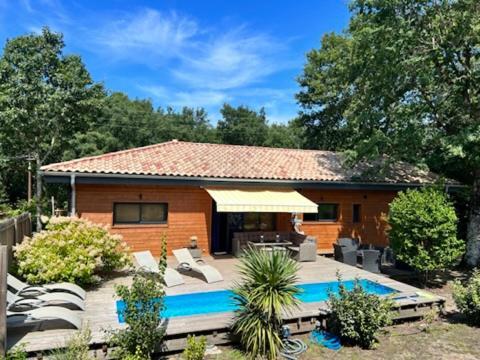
{"x": 221, "y": 301}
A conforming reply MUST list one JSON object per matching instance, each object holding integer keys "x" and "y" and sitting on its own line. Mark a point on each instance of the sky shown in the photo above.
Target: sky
{"x": 196, "y": 53}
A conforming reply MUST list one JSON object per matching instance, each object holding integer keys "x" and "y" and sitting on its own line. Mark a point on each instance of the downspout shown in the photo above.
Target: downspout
{"x": 73, "y": 196}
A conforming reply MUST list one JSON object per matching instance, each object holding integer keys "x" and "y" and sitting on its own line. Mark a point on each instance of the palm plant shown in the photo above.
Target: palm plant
{"x": 265, "y": 292}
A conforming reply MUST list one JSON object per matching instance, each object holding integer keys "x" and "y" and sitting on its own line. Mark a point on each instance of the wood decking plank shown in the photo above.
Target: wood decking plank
{"x": 100, "y": 313}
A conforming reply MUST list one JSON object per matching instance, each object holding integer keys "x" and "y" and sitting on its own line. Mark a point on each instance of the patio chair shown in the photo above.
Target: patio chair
{"x": 350, "y": 257}
{"x": 387, "y": 257}
{"x": 26, "y": 290}
{"x": 349, "y": 243}
{"x": 147, "y": 262}
{"x": 187, "y": 262}
{"x": 305, "y": 251}
{"x": 37, "y": 317}
{"x": 18, "y": 303}
{"x": 337, "y": 252}
{"x": 371, "y": 261}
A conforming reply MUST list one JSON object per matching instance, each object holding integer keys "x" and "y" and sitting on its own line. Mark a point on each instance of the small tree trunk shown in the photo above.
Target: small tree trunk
{"x": 38, "y": 192}
{"x": 472, "y": 256}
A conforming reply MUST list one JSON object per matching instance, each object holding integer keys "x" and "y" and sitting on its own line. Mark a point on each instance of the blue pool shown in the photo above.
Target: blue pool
{"x": 221, "y": 301}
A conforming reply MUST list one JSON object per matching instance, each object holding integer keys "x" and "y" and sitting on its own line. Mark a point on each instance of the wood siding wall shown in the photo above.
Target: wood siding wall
{"x": 190, "y": 211}
{"x": 370, "y": 229}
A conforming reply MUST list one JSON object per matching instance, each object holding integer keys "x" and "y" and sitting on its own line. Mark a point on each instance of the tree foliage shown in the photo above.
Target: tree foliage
{"x": 45, "y": 97}
{"x": 467, "y": 298}
{"x": 242, "y": 126}
{"x": 401, "y": 80}
{"x": 423, "y": 230}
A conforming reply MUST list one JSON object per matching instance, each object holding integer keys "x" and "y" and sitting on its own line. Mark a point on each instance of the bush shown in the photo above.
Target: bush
{"x": 266, "y": 291}
{"x": 76, "y": 348}
{"x": 467, "y": 298}
{"x": 423, "y": 230}
{"x": 70, "y": 249}
{"x": 17, "y": 354}
{"x": 195, "y": 349}
{"x": 357, "y": 316}
{"x": 143, "y": 305}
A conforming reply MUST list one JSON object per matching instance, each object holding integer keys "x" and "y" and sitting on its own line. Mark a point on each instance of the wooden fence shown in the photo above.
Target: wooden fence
{"x": 12, "y": 232}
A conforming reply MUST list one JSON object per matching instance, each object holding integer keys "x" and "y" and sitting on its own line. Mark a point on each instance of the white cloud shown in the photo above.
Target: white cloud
{"x": 207, "y": 59}
{"x": 231, "y": 60}
{"x": 186, "y": 98}
{"x": 147, "y": 33}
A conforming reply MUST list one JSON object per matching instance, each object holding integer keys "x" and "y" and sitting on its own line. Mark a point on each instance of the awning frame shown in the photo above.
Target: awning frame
{"x": 274, "y": 200}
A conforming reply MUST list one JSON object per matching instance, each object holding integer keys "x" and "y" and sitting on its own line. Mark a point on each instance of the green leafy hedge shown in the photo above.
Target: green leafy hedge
{"x": 70, "y": 249}
{"x": 357, "y": 316}
{"x": 423, "y": 229}
{"x": 467, "y": 298}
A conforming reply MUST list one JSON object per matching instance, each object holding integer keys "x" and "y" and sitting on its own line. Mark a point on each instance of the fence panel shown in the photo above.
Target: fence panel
{"x": 23, "y": 227}
{"x": 12, "y": 232}
{"x": 3, "y": 300}
{"x": 7, "y": 237}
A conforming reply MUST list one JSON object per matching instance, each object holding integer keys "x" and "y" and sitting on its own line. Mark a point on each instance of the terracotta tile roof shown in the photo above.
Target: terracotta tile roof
{"x": 178, "y": 158}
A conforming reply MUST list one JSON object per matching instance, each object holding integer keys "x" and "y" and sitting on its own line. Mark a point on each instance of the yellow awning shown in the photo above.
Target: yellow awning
{"x": 261, "y": 200}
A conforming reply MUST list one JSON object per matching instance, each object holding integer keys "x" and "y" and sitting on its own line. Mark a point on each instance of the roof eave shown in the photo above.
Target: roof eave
{"x": 136, "y": 179}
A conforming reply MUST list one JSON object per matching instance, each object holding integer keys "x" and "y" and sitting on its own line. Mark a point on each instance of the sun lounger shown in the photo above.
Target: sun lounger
{"x": 41, "y": 315}
{"x": 26, "y": 290}
{"x": 187, "y": 262}
{"x": 18, "y": 303}
{"x": 147, "y": 262}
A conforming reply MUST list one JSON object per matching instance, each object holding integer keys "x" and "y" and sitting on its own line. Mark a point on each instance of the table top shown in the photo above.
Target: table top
{"x": 282, "y": 243}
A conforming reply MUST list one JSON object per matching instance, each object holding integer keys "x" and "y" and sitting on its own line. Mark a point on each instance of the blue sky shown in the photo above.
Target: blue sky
{"x": 198, "y": 53}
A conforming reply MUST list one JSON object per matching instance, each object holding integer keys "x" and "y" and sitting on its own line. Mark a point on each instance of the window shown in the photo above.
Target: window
{"x": 356, "y": 213}
{"x": 326, "y": 212}
{"x": 258, "y": 221}
{"x": 140, "y": 213}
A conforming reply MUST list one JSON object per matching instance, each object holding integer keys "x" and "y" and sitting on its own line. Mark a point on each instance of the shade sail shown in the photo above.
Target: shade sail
{"x": 261, "y": 200}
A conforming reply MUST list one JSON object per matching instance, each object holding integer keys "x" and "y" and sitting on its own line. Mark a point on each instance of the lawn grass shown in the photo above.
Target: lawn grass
{"x": 444, "y": 340}
{"x": 447, "y": 338}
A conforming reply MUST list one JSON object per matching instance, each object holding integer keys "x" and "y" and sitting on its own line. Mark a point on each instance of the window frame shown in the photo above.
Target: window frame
{"x": 357, "y": 219}
{"x": 317, "y": 220}
{"x": 140, "y": 222}
{"x": 257, "y": 229}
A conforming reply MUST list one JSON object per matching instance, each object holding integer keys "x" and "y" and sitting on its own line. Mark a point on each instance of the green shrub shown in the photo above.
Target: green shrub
{"x": 76, "y": 348}
{"x": 467, "y": 298}
{"x": 423, "y": 230}
{"x": 70, "y": 249}
{"x": 266, "y": 291}
{"x": 18, "y": 353}
{"x": 195, "y": 349}
{"x": 357, "y": 316}
{"x": 137, "y": 356}
{"x": 143, "y": 305}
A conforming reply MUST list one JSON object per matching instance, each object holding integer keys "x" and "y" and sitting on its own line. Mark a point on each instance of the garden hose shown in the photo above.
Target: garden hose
{"x": 292, "y": 348}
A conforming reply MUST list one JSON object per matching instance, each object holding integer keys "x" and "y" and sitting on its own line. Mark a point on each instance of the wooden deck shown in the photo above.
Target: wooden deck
{"x": 100, "y": 314}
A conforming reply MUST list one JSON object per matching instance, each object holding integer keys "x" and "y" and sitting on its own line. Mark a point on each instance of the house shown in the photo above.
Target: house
{"x": 214, "y": 191}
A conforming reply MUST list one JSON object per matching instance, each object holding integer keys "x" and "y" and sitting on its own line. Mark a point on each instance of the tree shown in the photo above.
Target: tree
{"x": 402, "y": 80}
{"x": 423, "y": 230}
{"x": 45, "y": 97}
{"x": 283, "y": 136}
{"x": 242, "y": 126}
{"x": 127, "y": 123}
{"x": 265, "y": 292}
